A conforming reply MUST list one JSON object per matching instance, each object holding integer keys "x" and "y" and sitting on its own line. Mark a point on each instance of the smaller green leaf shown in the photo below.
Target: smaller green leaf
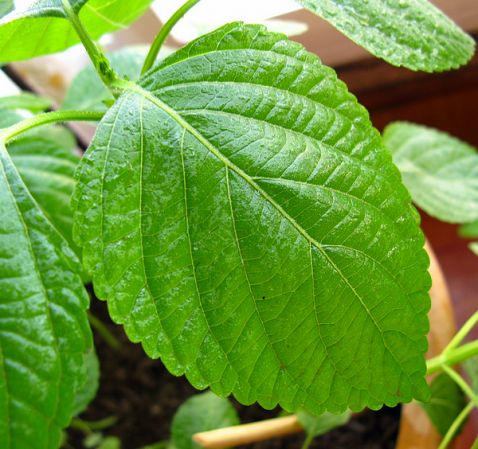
{"x": 409, "y": 33}
{"x": 96, "y": 440}
{"x": 474, "y": 247}
{"x": 25, "y": 101}
{"x": 87, "y": 91}
{"x": 318, "y": 425}
{"x": 199, "y": 413}
{"x": 471, "y": 369}
{"x": 440, "y": 171}
{"x": 92, "y": 440}
{"x": 5, "y": 7}
{"x": 88, "y": 392}
{"x": 110, "y": 443}
{"x": 446, "y": 403}
{"x": 41, "y": 27}
{"x": 468, "y": 230}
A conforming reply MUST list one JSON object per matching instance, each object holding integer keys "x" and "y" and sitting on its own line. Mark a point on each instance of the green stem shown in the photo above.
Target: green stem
{"x": 164, "y": 33}
{"x": 452, "y": 431}
{"x": 99, "y": 60}
{"x": 308, "y": 440}
{"x": 104, "y": 332}
{"x": 48, "y": 117}
{"x": 92, "y": 426}
{"x": 452, "y": 357}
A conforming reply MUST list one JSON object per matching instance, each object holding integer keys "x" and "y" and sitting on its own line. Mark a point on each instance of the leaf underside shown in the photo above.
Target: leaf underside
{"x": 409, "y": 33}
{"x": 440, "y": 171}
{"x": 44, "y": 331}
{"x": 41, "y": 28}
{"x": 243, "y": 220}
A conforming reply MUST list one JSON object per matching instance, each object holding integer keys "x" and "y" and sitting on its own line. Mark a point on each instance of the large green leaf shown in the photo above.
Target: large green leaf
{"x": 245, "y": 223}
{"x": 446, "y": 403}
{"x": 42, "y": 27}
{"x": 44, "y": 331}
{"x": 440, "y": 171}
{"x": 410, "y": 33}
{"x": 200, "y": 413}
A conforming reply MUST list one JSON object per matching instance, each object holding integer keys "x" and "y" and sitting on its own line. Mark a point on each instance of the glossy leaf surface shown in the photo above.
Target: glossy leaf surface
{"x": 243, "y": 220}
{"x": 42, "y": 27}
{"x": 46, "y": 160}
{"x": 440, "y": 171}
{"x": 44, "y": 332}
{"x": 409, "y": 33}
{"x": 200, "y": 413}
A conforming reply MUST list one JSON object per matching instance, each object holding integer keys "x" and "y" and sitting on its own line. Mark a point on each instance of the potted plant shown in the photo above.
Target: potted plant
{"x": 238, "y": 212}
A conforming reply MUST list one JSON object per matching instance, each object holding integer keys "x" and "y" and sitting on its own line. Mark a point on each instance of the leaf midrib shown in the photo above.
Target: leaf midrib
{"x": 133, "y": 87}
{"x": 194, "y": 132}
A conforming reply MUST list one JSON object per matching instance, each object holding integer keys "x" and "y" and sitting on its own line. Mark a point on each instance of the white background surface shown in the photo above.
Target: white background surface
{"x": 209, "y": 14}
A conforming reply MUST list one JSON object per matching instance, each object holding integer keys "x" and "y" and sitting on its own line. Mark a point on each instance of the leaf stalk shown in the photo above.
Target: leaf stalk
{"x": 9, "y": 133}
{"x": 164, "y": 33}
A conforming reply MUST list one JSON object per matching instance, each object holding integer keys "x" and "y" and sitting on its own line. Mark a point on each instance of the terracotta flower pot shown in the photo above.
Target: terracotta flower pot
{"x": 416, "y": 430}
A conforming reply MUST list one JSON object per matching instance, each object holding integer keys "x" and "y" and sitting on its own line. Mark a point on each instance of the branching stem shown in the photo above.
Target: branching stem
{"x": 452, "y": 357}
{"x": 164, "y": 33}
{"x": 99, "y": 60}
{"x": 104, "y": 332}
{"x": 462, "y": 384}
{"x": 462, "y": 333}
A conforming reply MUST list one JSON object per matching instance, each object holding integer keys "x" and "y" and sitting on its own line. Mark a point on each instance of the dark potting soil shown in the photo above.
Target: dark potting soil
{"x": 143, "y": 397}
